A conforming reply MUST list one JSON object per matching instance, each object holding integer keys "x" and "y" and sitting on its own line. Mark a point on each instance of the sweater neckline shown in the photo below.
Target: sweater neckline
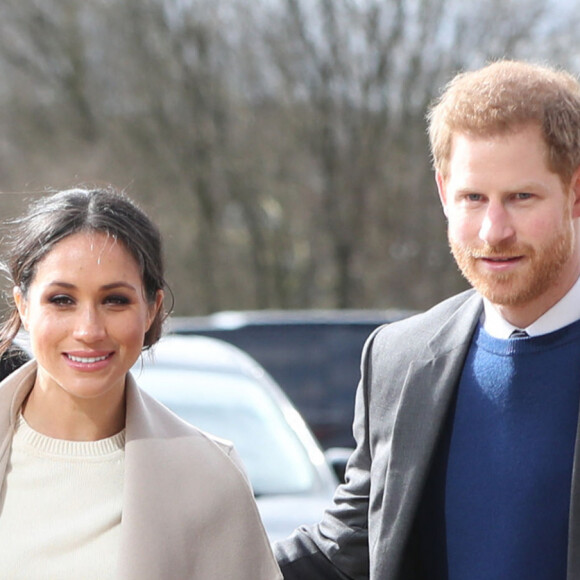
{"x": 66, "y": 448}
{"x": 531, "y": 344}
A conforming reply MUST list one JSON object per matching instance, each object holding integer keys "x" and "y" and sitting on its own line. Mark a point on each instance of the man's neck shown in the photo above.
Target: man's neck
{"x": 544, "y": 318}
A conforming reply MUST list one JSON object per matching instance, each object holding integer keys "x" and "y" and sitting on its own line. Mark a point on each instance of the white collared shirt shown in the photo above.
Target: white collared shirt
{"x": 564, "y": 312}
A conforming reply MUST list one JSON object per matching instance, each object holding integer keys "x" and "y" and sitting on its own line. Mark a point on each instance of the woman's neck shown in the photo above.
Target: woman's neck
{"x": 71, "y": 418}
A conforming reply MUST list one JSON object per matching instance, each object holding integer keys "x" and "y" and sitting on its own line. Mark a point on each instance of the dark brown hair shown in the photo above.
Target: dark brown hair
{"x": 55, "y": 217}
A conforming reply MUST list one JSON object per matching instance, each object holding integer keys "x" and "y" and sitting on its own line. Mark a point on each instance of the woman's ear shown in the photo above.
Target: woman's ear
{"x": 21, "y": 305}
{"x": 155, "y": 307}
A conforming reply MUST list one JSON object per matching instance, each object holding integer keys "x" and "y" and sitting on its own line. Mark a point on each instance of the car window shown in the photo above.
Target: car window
{"x": 236, "y": 408}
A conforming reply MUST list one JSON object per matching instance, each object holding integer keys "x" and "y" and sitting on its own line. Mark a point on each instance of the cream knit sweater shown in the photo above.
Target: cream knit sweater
{"x": 60, "y": 507}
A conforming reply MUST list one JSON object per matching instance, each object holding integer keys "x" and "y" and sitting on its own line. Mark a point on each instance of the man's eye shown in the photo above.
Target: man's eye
{"x": 473, "y": 197}
{"x": 523, "y": 195}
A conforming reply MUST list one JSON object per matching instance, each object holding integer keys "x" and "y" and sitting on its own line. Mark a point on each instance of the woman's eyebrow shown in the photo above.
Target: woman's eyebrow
{"x": 110, "y": 286}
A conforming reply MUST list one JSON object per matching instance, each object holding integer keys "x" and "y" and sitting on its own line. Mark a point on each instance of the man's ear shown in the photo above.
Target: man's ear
{"x": 21, "y": 305}
{"x": 441, "y": 188}
{"x": 575, "y": 192}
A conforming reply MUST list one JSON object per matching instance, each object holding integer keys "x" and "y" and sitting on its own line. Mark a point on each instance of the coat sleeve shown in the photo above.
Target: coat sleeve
{"x": 337, "y": 547}
{"x": 369, "y": 527}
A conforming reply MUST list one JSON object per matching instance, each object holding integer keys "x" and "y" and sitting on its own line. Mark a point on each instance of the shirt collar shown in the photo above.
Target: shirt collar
{"x": 564, "y": 312}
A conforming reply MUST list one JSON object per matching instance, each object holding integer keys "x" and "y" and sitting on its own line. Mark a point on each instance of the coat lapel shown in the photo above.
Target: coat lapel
{"x": 15, "y": 389}
{"x": 141, "y": 550}
{"x": 429, "y": 387}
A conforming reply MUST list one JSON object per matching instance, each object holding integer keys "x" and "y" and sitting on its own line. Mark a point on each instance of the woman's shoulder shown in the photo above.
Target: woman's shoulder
{"x": 162, "y": 422}
{"x": 149, "y": 420}
{"x": 155, "y": 436}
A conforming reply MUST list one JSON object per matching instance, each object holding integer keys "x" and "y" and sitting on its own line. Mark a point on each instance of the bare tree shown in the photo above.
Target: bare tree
{"x": 280, "y": 144}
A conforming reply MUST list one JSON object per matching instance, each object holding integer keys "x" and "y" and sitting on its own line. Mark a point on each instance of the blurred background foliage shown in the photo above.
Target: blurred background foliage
{"x": 279, "y": 144}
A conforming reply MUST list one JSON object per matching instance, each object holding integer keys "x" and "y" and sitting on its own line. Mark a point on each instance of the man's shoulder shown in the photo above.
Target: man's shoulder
{"x": 424, "y": 325}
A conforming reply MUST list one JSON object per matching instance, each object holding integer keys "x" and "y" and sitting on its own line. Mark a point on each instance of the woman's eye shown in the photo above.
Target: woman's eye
{"x": 61, "y": 300}
{"x": 117, "y": 300}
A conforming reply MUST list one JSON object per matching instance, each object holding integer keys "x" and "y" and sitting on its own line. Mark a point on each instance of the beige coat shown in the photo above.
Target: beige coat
{"x": 188, "y": 511}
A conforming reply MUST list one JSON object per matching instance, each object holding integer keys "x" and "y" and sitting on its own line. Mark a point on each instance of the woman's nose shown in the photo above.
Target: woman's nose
{"x": 89, "y": 326}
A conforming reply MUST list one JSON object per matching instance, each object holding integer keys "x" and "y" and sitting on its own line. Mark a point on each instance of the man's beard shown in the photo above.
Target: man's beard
{"x": 543, "y": 265}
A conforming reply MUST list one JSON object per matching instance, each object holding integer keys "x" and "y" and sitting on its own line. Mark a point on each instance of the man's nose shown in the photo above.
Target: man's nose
{"x": 496, "y": 226}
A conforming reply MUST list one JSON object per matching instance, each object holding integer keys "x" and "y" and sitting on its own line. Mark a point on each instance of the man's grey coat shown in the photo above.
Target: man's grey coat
{"x": 410, "y": 372}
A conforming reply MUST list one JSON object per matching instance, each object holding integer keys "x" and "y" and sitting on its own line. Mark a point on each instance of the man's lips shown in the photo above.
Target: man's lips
{"x": 500, "y": 259}
{"x": 499, "y": 263}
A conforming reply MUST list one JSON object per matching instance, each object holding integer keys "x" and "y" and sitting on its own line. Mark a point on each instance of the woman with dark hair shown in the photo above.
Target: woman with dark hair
{"x": 98, "y": 479}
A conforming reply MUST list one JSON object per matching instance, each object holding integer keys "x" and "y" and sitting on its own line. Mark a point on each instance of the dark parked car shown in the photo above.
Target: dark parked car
{"x": 313, "y": 354}
{"x": 222, "y": 390}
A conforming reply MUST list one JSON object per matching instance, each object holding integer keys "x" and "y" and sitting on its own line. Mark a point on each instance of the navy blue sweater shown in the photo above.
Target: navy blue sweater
{"x": 496, "y": 504}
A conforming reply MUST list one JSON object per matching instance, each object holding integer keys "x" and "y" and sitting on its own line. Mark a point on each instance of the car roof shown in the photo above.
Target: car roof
{"x": 202, "y": 352}
{"x": 232, "y": 319}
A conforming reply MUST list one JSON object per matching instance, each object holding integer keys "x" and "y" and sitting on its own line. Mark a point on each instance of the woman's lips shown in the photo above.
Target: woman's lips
{"x": 88, "y": 361}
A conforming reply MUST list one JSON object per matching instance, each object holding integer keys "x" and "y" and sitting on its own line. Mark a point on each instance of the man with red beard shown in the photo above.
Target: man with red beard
{"x": 467, "y": 463}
